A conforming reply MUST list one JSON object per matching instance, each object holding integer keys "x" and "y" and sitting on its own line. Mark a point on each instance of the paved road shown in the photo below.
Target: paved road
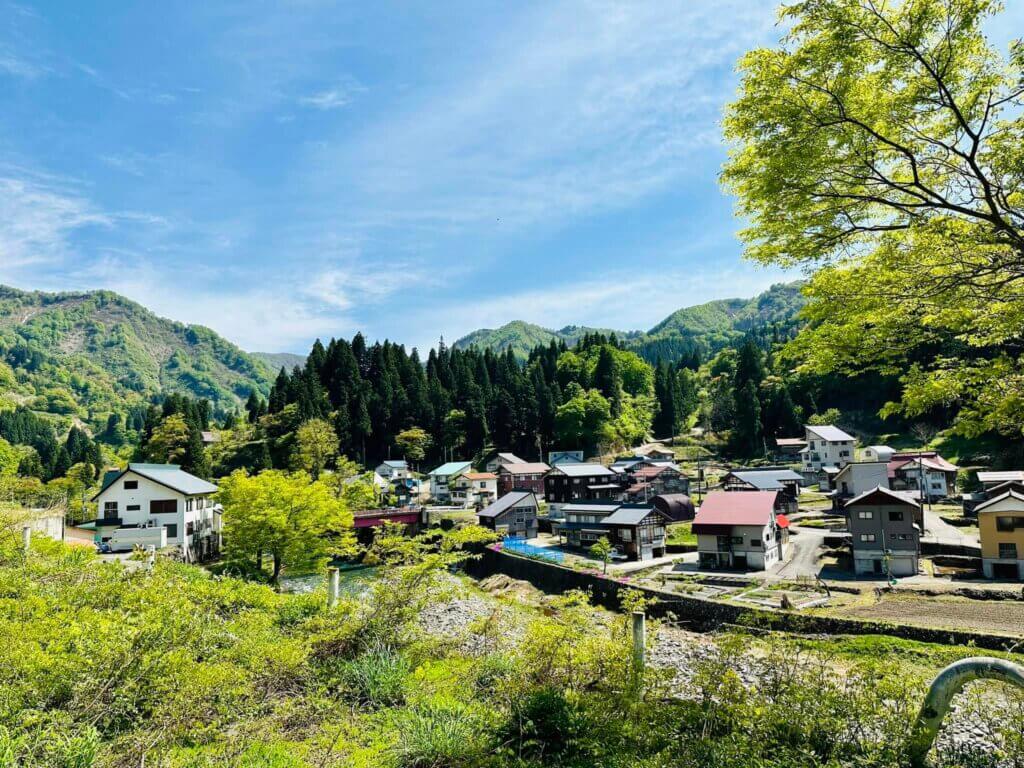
{"x": 804, "y": 552}
{"x": 937, "y": 529}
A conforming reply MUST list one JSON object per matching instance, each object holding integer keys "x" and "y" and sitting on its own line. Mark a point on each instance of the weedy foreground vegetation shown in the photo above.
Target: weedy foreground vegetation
{"x": 105, "y": 664}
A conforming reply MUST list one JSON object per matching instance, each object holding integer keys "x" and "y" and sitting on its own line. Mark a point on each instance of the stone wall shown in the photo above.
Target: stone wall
{"x": 707, "y": 614}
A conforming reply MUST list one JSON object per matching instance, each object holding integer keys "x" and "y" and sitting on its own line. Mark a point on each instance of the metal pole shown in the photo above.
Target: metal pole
{"x": 639, "y": 641}
{"x": 333, "y": 584}
{"x": 152, "y": 556}
{"x": 26, "y": 537}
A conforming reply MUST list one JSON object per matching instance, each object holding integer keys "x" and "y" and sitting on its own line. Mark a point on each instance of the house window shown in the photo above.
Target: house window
{"x": 895, "y": 515}
{"x": 1008, "y": 551}
{"x": 131, "y": 485}
{"x": 110, "y": 509}
{"x": 755, "y": 542}
{"x": 133, "y": 507}
{"x": 1006, "y": 523}
{"x": 867, "y": 537}
{"x": 865, "y": 514}
{"x": 626, "y": 535}
{"x": 189, "y": 529}
{"x": 737, "y": 539}
{"x": 163, "y": 507}
{"x": 172, "y": 531}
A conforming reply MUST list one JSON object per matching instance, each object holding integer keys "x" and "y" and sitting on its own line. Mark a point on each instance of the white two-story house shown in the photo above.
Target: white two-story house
{"x": 442, "y": 479}
{"x": 158, "y": 504}
{"x": 828, "y": 450}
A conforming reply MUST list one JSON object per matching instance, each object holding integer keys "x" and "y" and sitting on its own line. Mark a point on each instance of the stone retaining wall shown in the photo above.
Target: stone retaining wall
{"x": 707, "y": 614}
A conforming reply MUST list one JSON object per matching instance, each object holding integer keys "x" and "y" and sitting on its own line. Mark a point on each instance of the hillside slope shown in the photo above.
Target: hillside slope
{"x": 84, "y": 355}
{"x": 706, "y": 327}
{"x": 275, "y": 361}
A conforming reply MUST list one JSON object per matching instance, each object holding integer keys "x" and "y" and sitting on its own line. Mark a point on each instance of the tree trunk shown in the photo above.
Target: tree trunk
{"x": 277, "y": 568}
{"x": 259, "y": 560}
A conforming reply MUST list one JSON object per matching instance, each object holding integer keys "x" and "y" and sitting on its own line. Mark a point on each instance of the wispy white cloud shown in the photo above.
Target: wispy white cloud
{"x": 37, "y": 220}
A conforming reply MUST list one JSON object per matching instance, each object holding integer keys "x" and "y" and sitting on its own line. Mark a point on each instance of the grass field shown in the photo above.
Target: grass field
{"x": 946, "y": 612}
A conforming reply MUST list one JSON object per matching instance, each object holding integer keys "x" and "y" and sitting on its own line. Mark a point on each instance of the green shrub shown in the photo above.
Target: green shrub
{"x": 376, "y": 677}
{"x": 440, "y": 734}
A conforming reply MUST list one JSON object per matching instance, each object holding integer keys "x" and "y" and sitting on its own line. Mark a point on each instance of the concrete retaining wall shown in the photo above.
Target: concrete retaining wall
{"x": 707, "y": 614}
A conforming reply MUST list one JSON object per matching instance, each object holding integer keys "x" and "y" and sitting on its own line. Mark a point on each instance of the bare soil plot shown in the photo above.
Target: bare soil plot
{"x": 1001, "y": 616}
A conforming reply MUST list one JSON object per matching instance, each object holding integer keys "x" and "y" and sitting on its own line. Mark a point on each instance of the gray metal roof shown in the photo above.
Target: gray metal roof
{"x": 766, "y": 479}
{"x": 582, "y": 470}
{"x": 505, "y": 503}
{"x": 591, "y": 506}
{"x": 829, "y": 433}
{"x": 627, "y": 515}
{"x": 170, "y": 475}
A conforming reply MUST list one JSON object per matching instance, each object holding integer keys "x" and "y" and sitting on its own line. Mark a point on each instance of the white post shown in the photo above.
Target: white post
{"x": 639, "y": 640}
{"x": 333, "y": 585}
{"x": 26, "y": 537}
{"x": 152, "y": 556}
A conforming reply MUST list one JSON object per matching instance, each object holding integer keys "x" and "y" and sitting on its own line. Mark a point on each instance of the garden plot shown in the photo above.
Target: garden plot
{"x": 777, "y": 598}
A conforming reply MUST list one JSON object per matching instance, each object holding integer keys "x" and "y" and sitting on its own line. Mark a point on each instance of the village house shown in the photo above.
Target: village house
{"x": 637, "y": 531}
{"x": 499, "y": 460}
{"x": 522, "y": 477}
{"x": 785, "y": 481}
{"x": 646, "y": 482}
{"x": 514, "y": 514}
{"x": 474, "y": 489}
{"x": 971, "y": 501}
{"x": 159, "y": 505}
{"x": 828, "y": 447}
{"x": 393, "y": 469}
{"x": 444, "y": 476}
{"x": 907, "y": 470}
{"x": 1001, "y": 527}
{"x": 741, "y": 531}
{"x": 991, "y": 479}
{"x": 859, "y": 477}
{"x": 885, "y": 528}
{"x": 789, "y": 448}
{"x": 566, "y": 483}
{"x": 626, "y": 463}
{"x": 878, "y": 453}
{"x": 658, "y": 452}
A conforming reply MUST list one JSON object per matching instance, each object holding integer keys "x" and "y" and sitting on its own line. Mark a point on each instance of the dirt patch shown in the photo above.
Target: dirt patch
{"x": 1003, "y": 617}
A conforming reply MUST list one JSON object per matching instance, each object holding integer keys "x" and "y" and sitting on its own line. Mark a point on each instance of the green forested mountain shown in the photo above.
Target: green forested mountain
{"x": 705, "y": 328}
{"x": 85, "y": 355}
{"x": 521, "y": 337}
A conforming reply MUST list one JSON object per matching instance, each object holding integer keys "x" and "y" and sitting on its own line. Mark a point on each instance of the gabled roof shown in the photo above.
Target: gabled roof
{"x": 629, "y": 514}
{"x": 888, "y": 497}
{"x": 168, "y": 475}
{"x": 582, "y": 470}
{"x": 790, "y": 442}
{"x": 829, "y": 433}
{"x": 746, "y": 508}
{"x": 395, "y": 463}
{"x": 930, "y": 460}
{"x": 479, "y": 476}
{"x": 1009, "y": 485}
{"x": 766, "y": 479}
{"x": 506, "y": 502}
{"x": 647, "y": 472}
{"x": 983, "y": 507}
{"x": 452, "y": 468}
{"x": 509, "y": 458}
{"x": 847, "y": 468}
{"x": 525, "y": 468}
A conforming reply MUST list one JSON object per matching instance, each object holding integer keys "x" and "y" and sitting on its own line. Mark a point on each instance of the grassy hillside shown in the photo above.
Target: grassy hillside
{"x": 84, "y": 355}
{"x": 707, "y": 327}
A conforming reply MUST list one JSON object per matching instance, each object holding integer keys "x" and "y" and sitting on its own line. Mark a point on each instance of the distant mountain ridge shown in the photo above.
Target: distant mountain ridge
{"x": 278, "y": 360}
{"x": 706, "y": 327}
{"x": 83, "y": 355}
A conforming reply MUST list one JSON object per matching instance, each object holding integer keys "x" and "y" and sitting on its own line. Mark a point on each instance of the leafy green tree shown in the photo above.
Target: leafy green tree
{"x": 414, "y": 443}
{"x": 583, "y": 421}
{"x": 602, "y": 550}
{"x": 10, "y": 458}
{"x": 316, "y": 445}
{"x": 169, "y": 442}
{"x": 826, "y": 417}
{"x": 298, "y": 522}
{"x": 884, "y": 143}
{"x": 31, "y": 465}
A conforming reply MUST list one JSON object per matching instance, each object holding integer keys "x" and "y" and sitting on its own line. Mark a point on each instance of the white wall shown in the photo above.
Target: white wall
{"x": 126, "y": 539}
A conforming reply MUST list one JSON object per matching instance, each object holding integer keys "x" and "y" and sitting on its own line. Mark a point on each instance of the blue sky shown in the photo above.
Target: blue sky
{"x": 280, "y": 171}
